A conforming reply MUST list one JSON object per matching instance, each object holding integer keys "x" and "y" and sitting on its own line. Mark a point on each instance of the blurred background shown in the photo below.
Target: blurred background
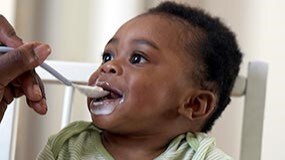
{"x": 78, "y": 30}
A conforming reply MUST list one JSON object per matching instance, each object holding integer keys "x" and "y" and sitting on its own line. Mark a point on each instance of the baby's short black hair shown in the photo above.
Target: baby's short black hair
{"x": 218, "y": 54}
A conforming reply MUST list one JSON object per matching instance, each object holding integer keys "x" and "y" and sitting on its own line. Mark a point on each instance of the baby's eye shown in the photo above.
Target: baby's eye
{"x": 137, "y": 58}
{"x": 107, "y": 57}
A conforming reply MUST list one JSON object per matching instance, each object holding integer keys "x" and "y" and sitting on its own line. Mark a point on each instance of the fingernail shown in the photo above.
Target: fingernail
{"x": 41, "y": 107}
{"x": 37, "y": 91}
{"x": 44, "y": 106}
{"x": 42, "y": 51}
{"x": 37, "y": 106}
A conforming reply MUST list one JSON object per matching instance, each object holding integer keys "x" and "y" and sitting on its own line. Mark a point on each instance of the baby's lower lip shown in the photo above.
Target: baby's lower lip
{"x": 104, "y": 107}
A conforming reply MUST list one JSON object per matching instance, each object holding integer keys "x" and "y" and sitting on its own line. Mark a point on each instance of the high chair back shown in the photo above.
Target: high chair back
{"x": 252, "y": 87}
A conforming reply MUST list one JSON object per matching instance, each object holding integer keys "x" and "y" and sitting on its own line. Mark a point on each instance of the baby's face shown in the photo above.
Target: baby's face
{"x": 144, "y": 67}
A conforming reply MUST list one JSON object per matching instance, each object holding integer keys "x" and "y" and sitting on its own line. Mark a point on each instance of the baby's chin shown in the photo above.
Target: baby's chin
{"x": 103, "y": 122}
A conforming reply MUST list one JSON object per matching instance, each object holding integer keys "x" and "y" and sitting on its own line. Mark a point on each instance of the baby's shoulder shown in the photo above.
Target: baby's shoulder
{"x": 75, "y": 131}
{"x": 194, "y": 146}
{"x": 79, "y": 140}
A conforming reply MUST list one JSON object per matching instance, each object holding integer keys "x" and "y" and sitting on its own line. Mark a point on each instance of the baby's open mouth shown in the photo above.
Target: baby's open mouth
{"x": 112, "y": 95}
{"x": 106, "y": 105}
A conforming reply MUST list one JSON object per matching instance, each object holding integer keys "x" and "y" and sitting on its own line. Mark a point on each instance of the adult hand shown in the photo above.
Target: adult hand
{"x": 17, "y": 75}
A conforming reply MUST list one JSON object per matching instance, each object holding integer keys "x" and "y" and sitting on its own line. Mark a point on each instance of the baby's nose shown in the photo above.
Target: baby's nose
{"x": 111, "y": 68}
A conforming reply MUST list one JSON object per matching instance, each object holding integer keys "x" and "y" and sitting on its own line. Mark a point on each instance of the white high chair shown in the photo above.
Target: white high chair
{"x": 253, "y": 87}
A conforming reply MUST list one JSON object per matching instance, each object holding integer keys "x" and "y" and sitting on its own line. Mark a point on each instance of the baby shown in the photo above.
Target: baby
{"x": 170, "y": 72}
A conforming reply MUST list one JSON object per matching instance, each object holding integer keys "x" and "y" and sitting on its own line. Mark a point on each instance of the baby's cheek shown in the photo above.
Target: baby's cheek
{"x": 92, "y": 78}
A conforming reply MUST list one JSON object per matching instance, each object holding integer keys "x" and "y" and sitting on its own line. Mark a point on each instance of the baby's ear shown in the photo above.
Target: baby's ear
{"x": 199, "y": 105}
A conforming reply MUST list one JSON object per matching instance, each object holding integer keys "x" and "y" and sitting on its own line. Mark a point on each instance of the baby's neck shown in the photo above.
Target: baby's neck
{"x": 134, "y": 147}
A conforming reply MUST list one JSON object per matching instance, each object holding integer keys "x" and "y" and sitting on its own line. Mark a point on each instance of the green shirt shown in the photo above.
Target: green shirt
{"x": 81, "y": 141}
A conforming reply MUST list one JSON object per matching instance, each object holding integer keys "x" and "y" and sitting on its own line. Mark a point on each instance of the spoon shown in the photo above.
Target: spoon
{"x": 89, "y": 91}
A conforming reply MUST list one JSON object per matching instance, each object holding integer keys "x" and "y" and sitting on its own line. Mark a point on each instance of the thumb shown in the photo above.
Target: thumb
{"x": 22, "y": 59}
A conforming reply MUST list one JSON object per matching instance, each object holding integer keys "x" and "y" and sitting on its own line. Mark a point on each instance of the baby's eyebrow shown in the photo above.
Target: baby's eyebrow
{"x": 137, "y": 41}
{"x": 113, "y": 40}
{"x": 146, "y": 42}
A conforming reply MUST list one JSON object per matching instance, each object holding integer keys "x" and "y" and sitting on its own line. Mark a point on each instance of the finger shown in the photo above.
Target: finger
{"x": 15, "y": 88}
{"x": 33, "y": 88}
{"x": 17, "y": 91}
{"x": 21, "y": 60}
{"x": 41, "y": 85}
{"x": 2, "y": 90}
{"x": 5, "y": 92}
{"x": 39, "y": 106}
{"x": 30, "y": 85}
{"x": 8, "y": 95}
{"x": 3, "y": 107}
{"x": 15, "y": 83}
{"x": 7, "y": 34}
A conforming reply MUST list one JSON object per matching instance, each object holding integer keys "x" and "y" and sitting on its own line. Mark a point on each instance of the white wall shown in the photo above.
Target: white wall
{"x": 7, "y": 9}
{"x": 270, "y": 40}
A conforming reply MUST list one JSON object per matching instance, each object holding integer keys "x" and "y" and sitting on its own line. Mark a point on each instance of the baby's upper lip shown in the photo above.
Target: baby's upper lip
{"x": 108, "y": 87}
